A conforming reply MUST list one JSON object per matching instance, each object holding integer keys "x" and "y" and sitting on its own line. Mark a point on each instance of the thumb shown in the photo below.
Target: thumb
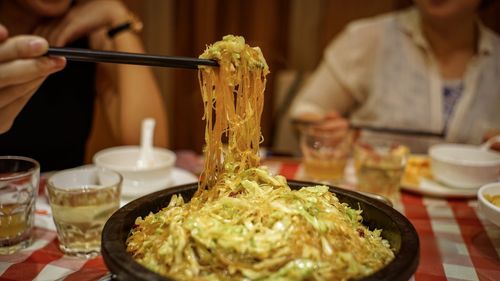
{"x": 22, "y": 46}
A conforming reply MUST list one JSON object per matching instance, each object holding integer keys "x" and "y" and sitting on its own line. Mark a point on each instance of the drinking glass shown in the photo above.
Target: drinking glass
{"x": 82, "y": 200}
{"x": 19, "y": 178}
{"x": 379, "y": 167}
{"x": 324, "y": 154}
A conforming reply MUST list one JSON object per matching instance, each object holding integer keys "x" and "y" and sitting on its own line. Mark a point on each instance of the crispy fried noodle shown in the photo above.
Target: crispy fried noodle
{"x": 243, "y": 222}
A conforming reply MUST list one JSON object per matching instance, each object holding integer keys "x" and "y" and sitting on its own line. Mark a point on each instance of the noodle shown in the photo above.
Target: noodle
{"x": 235, "y": 91}
{"x": 244, "y": 223}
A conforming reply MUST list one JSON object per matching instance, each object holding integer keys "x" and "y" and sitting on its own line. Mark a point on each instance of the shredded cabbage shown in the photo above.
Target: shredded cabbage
{"x": 259, "y": 229}
{"x": 244, "y": 223}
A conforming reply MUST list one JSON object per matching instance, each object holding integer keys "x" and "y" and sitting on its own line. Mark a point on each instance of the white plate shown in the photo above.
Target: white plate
{"x": 177, "y": 176}
{"x": 436, "y": 189}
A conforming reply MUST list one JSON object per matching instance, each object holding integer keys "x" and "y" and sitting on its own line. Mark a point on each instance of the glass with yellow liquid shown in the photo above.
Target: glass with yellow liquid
{"x": 324, "y": 154}
{"x": 379, "y": 167}
{"x": 82, "y": 200}
{"x": 19, "y": 178}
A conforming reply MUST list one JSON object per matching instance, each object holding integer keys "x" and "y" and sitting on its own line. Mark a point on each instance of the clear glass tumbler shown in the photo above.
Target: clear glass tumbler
{"x": 19, "y": 179}
{"x": 324, "y": 154}
{"x": 82, "y": 200}
{"x": 379, "y": 167}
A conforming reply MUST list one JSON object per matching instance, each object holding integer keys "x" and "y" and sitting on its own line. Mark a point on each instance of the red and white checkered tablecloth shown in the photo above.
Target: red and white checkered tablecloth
{"x": 456, "y": 242}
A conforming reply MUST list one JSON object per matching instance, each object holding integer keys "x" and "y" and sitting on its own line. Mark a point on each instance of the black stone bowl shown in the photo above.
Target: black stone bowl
{"x": 396, "y": 229}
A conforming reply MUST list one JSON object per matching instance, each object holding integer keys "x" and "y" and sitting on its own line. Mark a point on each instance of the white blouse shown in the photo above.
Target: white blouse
{"x": 381, "y": 72}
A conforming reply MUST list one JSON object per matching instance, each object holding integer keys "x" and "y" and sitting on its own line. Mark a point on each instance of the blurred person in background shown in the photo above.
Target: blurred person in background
{"x": 47, "y": 103}
{"x": 433, "y": 67}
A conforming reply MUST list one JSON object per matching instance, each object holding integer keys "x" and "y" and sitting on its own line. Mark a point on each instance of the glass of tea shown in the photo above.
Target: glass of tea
{"x": 379, "y": 166}
{"x": 324, "y": 154}
{"x": 19, "y": 178}
{"x": 82, "y": 200}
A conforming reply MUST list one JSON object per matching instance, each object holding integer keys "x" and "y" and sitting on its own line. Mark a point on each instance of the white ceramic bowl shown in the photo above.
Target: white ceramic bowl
{"x": 488, "y": 209}
{"x": 464, "y": 166}
{"x": 138, "y": 181}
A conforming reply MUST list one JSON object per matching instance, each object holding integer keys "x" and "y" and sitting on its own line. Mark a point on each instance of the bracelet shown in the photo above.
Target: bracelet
{"x": 133, "y": 23}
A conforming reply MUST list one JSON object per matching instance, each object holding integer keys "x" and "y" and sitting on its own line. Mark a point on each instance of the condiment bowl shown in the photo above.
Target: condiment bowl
{"x": 138, "y": 180}
{"x": 487, "y": 208}
{"x": 463, "y": 165}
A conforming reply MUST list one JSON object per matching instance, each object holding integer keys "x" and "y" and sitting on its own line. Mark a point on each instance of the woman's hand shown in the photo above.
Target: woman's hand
{"x": 334, "y": 124}
{"x": 331, "y": 123}
{"x": 83, "y": 19}
{"x": 22, "y": 71}
{"x": 492, "y": 134}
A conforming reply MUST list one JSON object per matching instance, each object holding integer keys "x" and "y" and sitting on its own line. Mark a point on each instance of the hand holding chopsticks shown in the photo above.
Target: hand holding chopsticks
{"x": 87, "y": 55}
{"x": 378, "y": 129}
{"x": 398, "y": 131}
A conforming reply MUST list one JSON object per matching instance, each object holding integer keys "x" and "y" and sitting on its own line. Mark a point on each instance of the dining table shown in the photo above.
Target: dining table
{"x": 456, "y": 241}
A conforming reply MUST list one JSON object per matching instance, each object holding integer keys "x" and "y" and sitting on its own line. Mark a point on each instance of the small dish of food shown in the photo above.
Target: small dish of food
{"x": 489, "y": 202}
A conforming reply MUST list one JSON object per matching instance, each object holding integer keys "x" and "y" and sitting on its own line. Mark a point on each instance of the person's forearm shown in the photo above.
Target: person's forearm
{"x": 140, "y": 96}
{"x": 322, "y": 93}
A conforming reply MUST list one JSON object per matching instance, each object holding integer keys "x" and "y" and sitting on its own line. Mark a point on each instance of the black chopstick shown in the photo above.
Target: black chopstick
{"x": 88, "y": 55}
{"x": 407, "y": 132}
{"x": 394, "y": 131}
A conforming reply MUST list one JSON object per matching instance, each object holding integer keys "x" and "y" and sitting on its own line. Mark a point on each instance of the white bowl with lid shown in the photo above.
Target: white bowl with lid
{"x": 464, "y": 165}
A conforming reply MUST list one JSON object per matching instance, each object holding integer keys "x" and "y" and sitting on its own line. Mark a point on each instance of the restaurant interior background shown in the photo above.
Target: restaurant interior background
{"x": 291, "y": 33}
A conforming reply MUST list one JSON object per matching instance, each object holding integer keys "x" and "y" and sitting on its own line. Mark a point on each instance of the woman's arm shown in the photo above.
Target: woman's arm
{"x": 342, "y": 81}
{"x": 128, "y": 94}
{"x": 322, "y": 93}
